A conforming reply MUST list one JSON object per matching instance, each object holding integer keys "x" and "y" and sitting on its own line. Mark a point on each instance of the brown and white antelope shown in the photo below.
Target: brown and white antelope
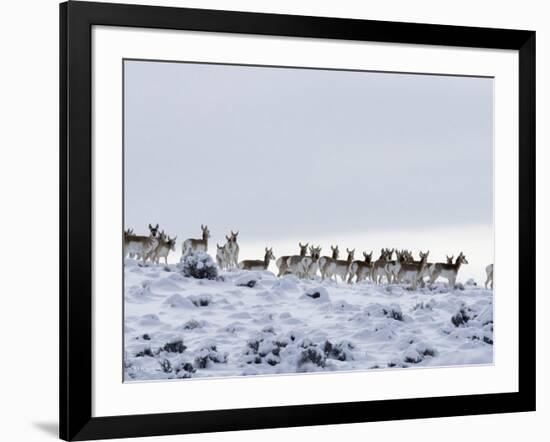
{"x": 341, "y": 268}
{"x": 295, "y": 264}
{"x": 379, "y": 266}
{"x": 127, "y": 234}
{"x": 448, "y": 271}
{"x": 489, "y": 271}
{"x": 221, "y": 256}
{"x": 325, "y": 262}
{"x": 258, "y": 264}
{"x": 141, "y": 246}
{"x": 192, "y": 244}
{"x": 311, "y": 263}
{"x": 163, "y": 249}
{"x": 361, "y": 269}
{"x": 232, "y": 249}
{"x": 414, "y": 271}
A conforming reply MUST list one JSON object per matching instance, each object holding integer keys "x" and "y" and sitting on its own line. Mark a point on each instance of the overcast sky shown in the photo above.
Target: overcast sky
{"x": 282, "y": 153}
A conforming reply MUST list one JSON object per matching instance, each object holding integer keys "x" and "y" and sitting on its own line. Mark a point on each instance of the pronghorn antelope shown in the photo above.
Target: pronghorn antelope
{"x": 141, "y": 246}
{"x": 221, "y": 256}
{"x": 324, "y": 263}
{"x": 361, "y": 269}
{"x": 232, "y": 250}
{"x": 341, "y": 268}
{"x": 127, "y": 234}
{"x": 489, "y": 271}
{"x": 393, "y": 266}
{"x": 258, "y": 264}
{"x": 448, "y": 271}
{"x": 311, "y": 263}
{"x": 192, "y": 244}
{"x": 295, "y": 264}
{"x": 379, "y": 266}
{"x": 413, "y": 271}
{"x": 165, "y": 245}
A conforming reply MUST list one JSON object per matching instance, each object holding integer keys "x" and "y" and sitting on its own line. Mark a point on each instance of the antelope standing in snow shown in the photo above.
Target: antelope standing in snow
{"x": 192, "y": 244}
{"x": 164, "y": 247}
{"x": 258, "y": 264}
{"x": 448, "y": 271}
{"x": 361, "y": 269}
{"x": 140, "y": 246}
{"x": 127, "y": 234}
{"x": 311, "y": 263}
{"x": 413, "y": 271}
{"x": 489, "y": 271}
{"x": 232, "y": 250}
{"x": 325, "y": 263}
{"x": 297, "y": 264}
{"x": 221, "y": 256}
{"x": 379, "y": 266}
{"x": 341, "y": 268}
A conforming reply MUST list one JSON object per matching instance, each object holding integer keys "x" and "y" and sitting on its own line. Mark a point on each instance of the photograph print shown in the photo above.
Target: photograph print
{"x": 282, "y": 220}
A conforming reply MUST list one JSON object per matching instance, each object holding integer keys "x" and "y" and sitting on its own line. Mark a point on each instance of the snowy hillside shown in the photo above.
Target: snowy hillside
{"x": 250, "y": 323}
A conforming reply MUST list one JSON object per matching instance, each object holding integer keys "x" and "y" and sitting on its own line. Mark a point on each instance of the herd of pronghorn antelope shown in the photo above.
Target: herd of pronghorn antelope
{"x": 308, "y": 263}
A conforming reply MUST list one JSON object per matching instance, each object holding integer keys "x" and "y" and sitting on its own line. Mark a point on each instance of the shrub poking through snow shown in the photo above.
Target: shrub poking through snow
{"x": 174, "y": 347}
{"x": 165, "y": 366}
{"x": 394, "y": 312}
{"x": 200, "y": 300}
{"x": 461, "y": 317}
{"x": 191, "y": 325}
{"x": 249, "y": 279}
{"x": 318, "y": 294}
{"x": 210, "y": 354}
{"x": 341, "y": 351}
{"x": 145, "y": 352}
{"x": 199, "y": 265}
{"x": 412, "y": 357}
{"x": 312, "y": 355}
{"x": 184, "y": 370}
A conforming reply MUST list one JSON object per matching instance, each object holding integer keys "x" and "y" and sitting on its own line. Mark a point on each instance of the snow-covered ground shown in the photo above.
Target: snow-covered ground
{"x": 251, "y": 323}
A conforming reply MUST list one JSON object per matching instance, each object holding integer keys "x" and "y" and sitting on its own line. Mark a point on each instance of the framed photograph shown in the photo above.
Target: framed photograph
{"x": 273, "y": 220}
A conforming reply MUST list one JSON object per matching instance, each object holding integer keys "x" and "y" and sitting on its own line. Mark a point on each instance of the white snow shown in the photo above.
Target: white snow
{"x": 251, "y": 323}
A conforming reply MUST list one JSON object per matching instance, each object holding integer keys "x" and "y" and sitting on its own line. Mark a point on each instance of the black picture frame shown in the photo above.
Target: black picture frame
{"x": 76, "y": 21}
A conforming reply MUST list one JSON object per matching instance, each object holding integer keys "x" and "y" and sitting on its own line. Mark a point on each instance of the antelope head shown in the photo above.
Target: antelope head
{"x": 269, "y": 254}
{"x": 303, "y": 248}
{"x": 205, "y": 232}
{"x": 450, "y": 259}
{"x": 424, "y": 256}
{"x": 461, "y": 259}
{"x": 368, "y": 256}
{"x": 171, "y": 242}
{"x": 351, "y": 254}
{"x": 316, "y": 252}
{"x": 154, "y": 230}
{"x": 335, "y": 252}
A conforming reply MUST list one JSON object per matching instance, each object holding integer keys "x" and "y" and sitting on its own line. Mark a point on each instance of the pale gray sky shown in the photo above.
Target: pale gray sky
{"x": 282, "y": 153}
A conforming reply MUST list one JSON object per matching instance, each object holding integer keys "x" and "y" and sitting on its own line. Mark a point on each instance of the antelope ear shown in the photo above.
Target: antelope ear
{"x": 157, "y": 226}
{"x": 227, "y": 237}
{"x": 150, "y": 226}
